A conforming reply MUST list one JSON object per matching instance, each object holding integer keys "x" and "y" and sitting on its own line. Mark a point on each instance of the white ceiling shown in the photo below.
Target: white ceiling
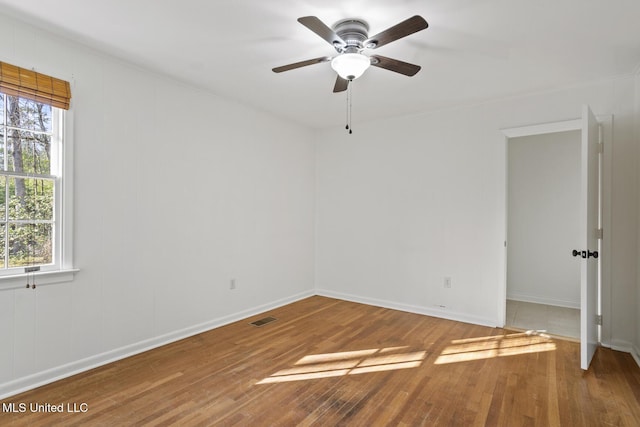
{"x": 473, "y": 50}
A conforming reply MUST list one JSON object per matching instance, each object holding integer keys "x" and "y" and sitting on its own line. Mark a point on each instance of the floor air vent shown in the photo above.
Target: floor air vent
{"x": 264, "y": 321}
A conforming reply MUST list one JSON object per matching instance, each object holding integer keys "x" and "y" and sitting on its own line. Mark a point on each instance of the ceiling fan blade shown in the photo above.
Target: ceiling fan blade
{"x": 301, "y": 64}
{"x": 321, "y": 29}
{"x": 409, "y": 26}
{"x": 341, "y": 85}
{"x": 395, "y": 65}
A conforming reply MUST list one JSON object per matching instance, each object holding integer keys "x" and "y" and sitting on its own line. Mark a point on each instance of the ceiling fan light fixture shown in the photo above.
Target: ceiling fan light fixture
{"x": 350, "y": 66}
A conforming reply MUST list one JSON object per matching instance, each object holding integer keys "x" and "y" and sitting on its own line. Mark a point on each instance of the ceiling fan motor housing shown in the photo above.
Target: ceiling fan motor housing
{"x": 354, "y": 32}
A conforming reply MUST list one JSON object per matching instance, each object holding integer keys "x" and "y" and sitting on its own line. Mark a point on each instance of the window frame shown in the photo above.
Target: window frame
{"x": 61, "y": 269}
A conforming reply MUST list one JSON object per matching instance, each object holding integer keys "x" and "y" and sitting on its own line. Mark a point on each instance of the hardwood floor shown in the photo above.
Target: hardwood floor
{"x": 327, "y": 362}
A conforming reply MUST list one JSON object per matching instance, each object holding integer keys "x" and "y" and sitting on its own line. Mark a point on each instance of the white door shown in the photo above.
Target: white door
{"x": 589, "y": 210}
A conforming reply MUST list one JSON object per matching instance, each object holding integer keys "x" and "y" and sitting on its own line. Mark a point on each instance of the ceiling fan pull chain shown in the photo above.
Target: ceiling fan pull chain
{"x": 347, "y": 111}
{"x": 349, "y": 103}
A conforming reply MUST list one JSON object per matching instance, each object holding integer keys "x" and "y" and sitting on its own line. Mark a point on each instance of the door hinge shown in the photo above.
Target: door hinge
{"x": 599, "y": 233}
{"x": 599, "y": 319}
{"x": 600, "y": 148}
{"x": 600, "y": 136}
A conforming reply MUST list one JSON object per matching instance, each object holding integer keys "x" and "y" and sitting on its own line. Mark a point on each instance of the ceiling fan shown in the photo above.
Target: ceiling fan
{"x": 350, "y": 39}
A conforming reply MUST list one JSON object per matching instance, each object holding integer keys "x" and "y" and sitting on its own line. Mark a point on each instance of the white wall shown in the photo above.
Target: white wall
{"x": 188, "y": 190}
{"x": 176, "y": 192}
{"x": 543, "y": 207}
{"x": 405, "y": 202}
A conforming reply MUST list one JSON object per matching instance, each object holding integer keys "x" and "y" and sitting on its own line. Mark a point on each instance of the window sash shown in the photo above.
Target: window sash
{"x": 27, "y": 175}
{"x": 57, "y": 132}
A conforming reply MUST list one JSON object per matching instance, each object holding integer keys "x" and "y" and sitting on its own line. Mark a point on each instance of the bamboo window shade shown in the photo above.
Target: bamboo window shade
{"x": 17, "y": 81}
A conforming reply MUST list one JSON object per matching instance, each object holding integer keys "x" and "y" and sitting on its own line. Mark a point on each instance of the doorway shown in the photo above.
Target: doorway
{"x": 543, "y": 211}
{"x": 592, "y": 254}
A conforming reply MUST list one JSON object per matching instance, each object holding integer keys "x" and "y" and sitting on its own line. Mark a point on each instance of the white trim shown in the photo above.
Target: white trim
{"x": 30, "y": 382}
{"x": 38, "y": 379}
{"x": 40, "y": 278}
{"x": 635, "y": 353}
{"x": 542, "y": 300}
{"x": 606, "y": 310}
{"x": 621, "y": 345}
{"x": 61, "y": 268}
{"x": 543, "y": 128}
{"x": 606, "y": 122}
{"x": 434, "y": 312}
{"x": 67, "y": 185}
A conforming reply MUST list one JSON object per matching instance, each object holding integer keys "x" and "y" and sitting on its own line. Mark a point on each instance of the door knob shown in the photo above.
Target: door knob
{"x": 585, "y": 254}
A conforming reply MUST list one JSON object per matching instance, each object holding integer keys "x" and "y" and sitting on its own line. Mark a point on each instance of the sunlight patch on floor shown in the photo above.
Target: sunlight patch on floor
{"x": 465, "y": 350}
{"x": 348, "y": 363}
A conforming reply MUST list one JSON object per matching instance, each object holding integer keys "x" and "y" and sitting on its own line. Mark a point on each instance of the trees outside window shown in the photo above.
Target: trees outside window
{"x": 30, "y": 170}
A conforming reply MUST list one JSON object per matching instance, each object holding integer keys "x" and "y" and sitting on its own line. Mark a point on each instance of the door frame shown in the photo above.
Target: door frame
{"x": 606, "y": 124}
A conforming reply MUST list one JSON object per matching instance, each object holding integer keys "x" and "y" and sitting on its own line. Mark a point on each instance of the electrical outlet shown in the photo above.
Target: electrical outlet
{"x": 447, "y": 282}
{"x": 232, "y": 284}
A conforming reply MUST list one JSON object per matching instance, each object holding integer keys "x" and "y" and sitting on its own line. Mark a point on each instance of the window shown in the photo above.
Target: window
{"x": 35, "y": 211}
{"x": 30, "y": 174}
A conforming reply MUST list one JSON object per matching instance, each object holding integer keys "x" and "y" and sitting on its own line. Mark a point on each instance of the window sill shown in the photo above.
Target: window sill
{"x": 17, "y": 281}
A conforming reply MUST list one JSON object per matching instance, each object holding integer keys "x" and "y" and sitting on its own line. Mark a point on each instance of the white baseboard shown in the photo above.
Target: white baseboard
{"x": 45, "y": 377}
{"x": 620, "y": 345}
{"x": 434, "y": 312}
{"x": 543, "y": 300}
{"x": 38, "y": 379}
{"x": 625, "y": 347}
{"x": 635, "y": 353}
